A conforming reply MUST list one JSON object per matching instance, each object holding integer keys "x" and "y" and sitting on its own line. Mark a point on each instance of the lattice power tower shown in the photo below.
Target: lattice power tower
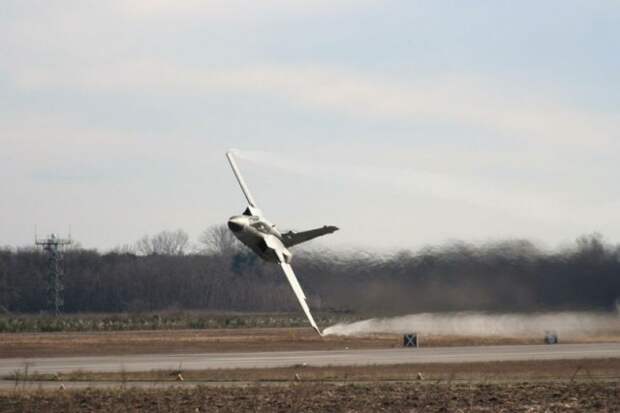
{"x": 55, "y": 273}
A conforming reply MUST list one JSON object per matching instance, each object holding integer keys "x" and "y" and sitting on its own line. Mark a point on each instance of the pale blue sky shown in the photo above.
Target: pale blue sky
{"x": 402, "y": 122}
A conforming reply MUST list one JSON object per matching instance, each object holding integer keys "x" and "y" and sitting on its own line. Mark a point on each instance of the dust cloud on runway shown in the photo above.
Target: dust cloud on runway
{"x": 565, "y": 324}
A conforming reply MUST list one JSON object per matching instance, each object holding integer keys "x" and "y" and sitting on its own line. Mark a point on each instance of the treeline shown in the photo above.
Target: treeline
{"x": 504, "y": 276}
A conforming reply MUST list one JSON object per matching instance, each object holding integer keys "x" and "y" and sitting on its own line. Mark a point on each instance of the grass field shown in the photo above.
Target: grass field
{"x": 520, "y": 386}
{"x": 161, "y": 320}
{"x": 178, "y": 341}
{"x": 221, "y": 340}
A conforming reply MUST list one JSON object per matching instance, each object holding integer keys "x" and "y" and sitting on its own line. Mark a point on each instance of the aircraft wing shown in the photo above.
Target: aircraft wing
{"x": 242, "y": 184}
{"x": 301, "y": 297}
{"x": 293, "y": 238}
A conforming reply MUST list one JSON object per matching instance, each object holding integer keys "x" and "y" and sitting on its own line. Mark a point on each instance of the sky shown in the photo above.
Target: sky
{"x": 404, "y": 123}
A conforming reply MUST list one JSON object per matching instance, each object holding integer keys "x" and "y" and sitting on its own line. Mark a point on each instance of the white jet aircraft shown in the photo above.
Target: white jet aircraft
{"x": 262, "y": 237}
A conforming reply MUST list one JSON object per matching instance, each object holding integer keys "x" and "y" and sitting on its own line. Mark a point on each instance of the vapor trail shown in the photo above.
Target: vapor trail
{"x": 447, "y": 187}
{"x": 566, "y": 324}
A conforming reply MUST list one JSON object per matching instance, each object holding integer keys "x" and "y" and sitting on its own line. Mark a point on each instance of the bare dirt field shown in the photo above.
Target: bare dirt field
{"x": 319, "y": 397}
{"x": 226, "y": 340}
{"x": 517, "y": 386}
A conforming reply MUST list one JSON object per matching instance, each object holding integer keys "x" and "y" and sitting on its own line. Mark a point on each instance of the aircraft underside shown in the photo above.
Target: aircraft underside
{"x": 259, "y": 246}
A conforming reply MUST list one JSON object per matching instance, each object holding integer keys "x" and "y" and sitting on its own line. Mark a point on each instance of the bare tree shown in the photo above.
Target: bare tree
{"x": 218, "y": 239}
{"x": 164, "y": 243}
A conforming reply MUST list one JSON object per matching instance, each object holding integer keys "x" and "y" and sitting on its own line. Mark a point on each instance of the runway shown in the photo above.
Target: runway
{"x": 132, "y": 363}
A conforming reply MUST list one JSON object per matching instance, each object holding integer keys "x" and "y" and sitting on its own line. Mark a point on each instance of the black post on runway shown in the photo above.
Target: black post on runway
{"x": 410, "y": 340}
{"x": 551, "y": 337}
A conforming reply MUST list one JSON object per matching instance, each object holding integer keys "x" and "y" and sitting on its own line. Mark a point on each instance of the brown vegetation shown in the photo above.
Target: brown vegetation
{"x": 487, "y": 372}
{"x": 393, "y": 397}
{"x": 160, "y": 320}
{"x": 179, "y": 341}
{"x": 224, "y": 340}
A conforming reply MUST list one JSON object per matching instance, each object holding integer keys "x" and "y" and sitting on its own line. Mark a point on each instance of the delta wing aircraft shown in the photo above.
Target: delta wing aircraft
{"x": 262, "y": 237}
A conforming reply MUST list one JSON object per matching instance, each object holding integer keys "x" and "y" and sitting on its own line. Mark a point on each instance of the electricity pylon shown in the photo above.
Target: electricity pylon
{"x": 53, "y": 245}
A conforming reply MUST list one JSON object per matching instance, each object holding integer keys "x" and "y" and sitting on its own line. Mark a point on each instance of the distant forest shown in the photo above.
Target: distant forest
{"x": 163, "y": 273}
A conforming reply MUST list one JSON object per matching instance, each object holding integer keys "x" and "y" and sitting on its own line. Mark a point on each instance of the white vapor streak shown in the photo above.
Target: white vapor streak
{"x": 565, "y": 324}
{"x": 447, "y": 187}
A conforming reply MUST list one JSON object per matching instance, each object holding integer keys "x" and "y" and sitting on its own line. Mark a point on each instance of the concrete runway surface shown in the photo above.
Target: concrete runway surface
{"x": 311, "y": 358}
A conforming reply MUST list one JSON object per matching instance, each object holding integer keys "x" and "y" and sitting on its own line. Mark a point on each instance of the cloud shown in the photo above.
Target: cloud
{"x": 463, "y": 100}
{"x": 229, "y": 9}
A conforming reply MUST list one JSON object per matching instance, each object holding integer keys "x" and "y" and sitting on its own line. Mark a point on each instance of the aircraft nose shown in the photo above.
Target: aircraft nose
{"x": 235, "y": 224}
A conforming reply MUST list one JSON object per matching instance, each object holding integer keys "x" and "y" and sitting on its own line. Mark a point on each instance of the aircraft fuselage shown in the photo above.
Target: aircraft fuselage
{"x": 261, "y": 236}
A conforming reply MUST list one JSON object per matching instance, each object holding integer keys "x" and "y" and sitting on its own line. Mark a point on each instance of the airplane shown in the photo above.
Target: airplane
{"x": 262, "y": 237}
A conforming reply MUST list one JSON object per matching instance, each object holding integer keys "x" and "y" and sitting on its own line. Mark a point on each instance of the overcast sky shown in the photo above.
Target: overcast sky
{"x": 404, "y": 123}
